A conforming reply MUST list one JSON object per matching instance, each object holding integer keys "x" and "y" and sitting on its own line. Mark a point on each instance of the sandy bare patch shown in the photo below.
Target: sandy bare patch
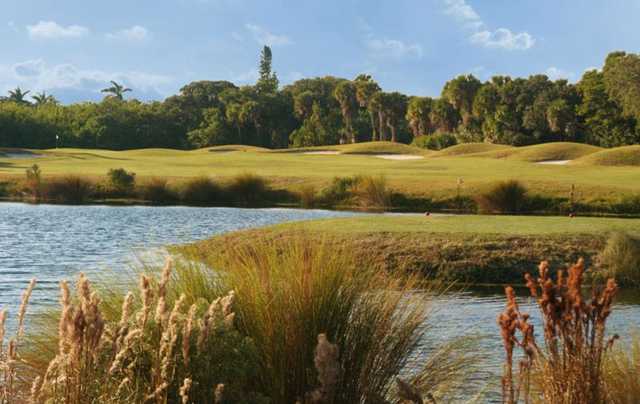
{"x": 555, "y": 162}
{"x": 399, "y": 156}
{"x": 323, "y": 152}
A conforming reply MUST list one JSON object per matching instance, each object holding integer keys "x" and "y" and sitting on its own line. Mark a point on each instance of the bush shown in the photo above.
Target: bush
{"x": 34, "y": 181}
{"x": 308, "y": 197}
{"x": 505, "y": 197}
{"x": 248, "y": 190}
{"x": 338, "y": 192}
{"x": 371, "y": 193}
{"x": 70, "y": 189}
{"x": 121, "y": 181}
{"x": 202, "y": 191}
{"x": 620, "y": 259}
{"x": 437, "y": 141}
{"x": 157, "y": 190}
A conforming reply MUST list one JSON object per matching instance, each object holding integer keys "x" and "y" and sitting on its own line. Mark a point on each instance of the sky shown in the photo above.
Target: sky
{"x": 73, "y": 48}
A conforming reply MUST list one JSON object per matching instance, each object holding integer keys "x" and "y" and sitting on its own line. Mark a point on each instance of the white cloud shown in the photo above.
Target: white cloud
{"x": 555, "y": 73}
{"x": 264, "y": 37}
{"x": 250, "y": 76}
{"x": 393, "y": 48}
{"x": 503, "y": 38}
{"x": 136, "y": 33}
{"x": 53, "y": 30}
{"x": 36, "y": 75}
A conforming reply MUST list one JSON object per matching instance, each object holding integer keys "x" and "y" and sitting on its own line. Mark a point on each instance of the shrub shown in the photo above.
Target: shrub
{"x": 121, "y": 181}
{"x": 504, "y": 197}
{"x": 34, "y": 181}
{"x": 620, "y": 259}
{"x": 338, "y": 192}
{"x": 308, "y": 197}
{"x": 569, "y": 368}
{"x": 70, "y": 189}
{"x": 436, "y": 141}
{"x": 157, "y": 190}
{"x": 202, "y": 191}
{"x": 248, "y": 190}
{"x": 371, "y": 193}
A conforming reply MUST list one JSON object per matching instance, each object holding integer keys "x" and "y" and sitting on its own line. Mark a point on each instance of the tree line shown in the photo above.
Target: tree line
{"x": 603, "y": 108}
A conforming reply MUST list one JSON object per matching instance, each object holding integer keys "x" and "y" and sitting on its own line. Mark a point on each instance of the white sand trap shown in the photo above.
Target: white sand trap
{"x": 554, "y": 162}
{"x": 323, "y": 152}
{"x": 399, "y": 156}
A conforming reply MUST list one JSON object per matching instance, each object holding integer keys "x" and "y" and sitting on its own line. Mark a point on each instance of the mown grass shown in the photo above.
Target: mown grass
{"x": 471, "y": 148}
{"x": 543, "y": 152}
{"x": 430, "y": 178}
{"x": 470, "y": 249}
{"x": 620, "y": 156}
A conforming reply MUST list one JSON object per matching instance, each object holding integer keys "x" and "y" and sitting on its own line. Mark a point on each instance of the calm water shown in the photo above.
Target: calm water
{"x": 56, "y": 242}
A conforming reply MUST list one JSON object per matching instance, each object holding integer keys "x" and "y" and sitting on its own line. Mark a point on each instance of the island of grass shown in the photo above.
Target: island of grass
{"x": 598, "y": 179}
{"x": 464, "y": 248}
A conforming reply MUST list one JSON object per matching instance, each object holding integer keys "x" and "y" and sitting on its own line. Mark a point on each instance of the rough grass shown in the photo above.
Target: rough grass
{"x": 620, "y": 156}
{"x": 543, "y": 152}
{"x": 472, "y": 148}
{"x": 429, "y": 178}
{"x": 474, "y": 249}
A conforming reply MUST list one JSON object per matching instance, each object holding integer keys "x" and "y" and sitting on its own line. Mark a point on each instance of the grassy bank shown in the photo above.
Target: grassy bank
{"x": 475, "y": 249}
{"x": 427, "y": 183}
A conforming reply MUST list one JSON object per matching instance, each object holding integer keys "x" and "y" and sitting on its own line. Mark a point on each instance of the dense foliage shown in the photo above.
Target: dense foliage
{"x": 601, "y": 109}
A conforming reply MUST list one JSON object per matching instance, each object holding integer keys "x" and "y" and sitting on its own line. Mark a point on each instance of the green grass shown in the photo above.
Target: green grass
{"x": 474, "y": 249}
{"x": 620, "y": 156}
{"x": 428, "y": 178}
{"x": 543, "y": 152}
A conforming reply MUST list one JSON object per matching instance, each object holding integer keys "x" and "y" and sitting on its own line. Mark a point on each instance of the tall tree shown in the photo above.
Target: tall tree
{"x": 378, "y": 105}
{"x": 622, "y": 80}
{"x": 366, "y": 88}
{"x": 419, "y": 115}
{"x": 268, "y": 81}
{"x": 18, "y": 96}
{"x": 396, "y": 109}
{"x": 444, "y": 116}
{"x": 345, "y": 93}
{"x": 116, "y": 90}
{"x": 460, "y": 92}
{"x": 43, "y": 98}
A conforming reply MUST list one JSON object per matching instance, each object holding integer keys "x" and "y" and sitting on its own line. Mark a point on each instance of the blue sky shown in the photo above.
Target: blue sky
{"x": 72, "y": 48}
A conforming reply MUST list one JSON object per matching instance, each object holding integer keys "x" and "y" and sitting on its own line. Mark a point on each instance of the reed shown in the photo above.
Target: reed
{"x": 622, "y": 373}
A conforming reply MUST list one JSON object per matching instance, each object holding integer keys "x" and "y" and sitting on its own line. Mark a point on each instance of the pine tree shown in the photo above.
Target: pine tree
{"x": 268, "y": 81}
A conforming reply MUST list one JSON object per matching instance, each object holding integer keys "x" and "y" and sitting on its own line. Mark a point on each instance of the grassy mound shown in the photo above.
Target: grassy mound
{"x": 234, "y": 148}
{"x": 380, "y": 148}
{"x": 475, "y": 249}
{"x": 620, "y": 156}
{"x": 472, "y": 148}
{"x": 544, "y": 152}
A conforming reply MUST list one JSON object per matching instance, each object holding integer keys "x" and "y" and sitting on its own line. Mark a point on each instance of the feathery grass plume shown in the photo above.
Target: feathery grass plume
{"x": 219, "y": 394}
{"x": 570, "y": 368}
{"x": 3, "y": 319}
{"x": 184, "y": 391}
{"x": 408, "y": 392}
{"x": 187, "y": 332}
{"x": 26, "y": 295}
{"x": 328, "y": 368}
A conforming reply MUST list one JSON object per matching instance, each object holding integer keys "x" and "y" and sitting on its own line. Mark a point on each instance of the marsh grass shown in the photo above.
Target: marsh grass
{"x": 620, "y": 259}
{"x": 362, "y": 191}
{"x": 249, "y": 190}
{"x": 570, "y": 367}
{"x": 202, "y": 191}
{"x": 504, "y": 197}
{"x": 157, "y": 190}
{"x": 622, "y": 373}
{"x": 71, "y": 189}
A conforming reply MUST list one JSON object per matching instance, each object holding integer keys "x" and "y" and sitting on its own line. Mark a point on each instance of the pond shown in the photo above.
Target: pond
{"x": 53, "y": 242}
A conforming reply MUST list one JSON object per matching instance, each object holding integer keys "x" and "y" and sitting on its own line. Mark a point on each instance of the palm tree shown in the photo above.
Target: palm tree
{"x": 366, "y": 88}
{"x": 116, "y": 90}
{"x": 18, "y": 96}
{"x": 43, "y": 98}
{"x": 345, "y": 94}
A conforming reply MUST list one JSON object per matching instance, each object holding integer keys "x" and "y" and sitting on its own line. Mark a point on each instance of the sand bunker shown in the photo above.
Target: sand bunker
{"x": 323, "y": 152}
{"x": 555, "y": 162}
{"x": 19, "y": 155}
{"x": 399, "y": 156}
